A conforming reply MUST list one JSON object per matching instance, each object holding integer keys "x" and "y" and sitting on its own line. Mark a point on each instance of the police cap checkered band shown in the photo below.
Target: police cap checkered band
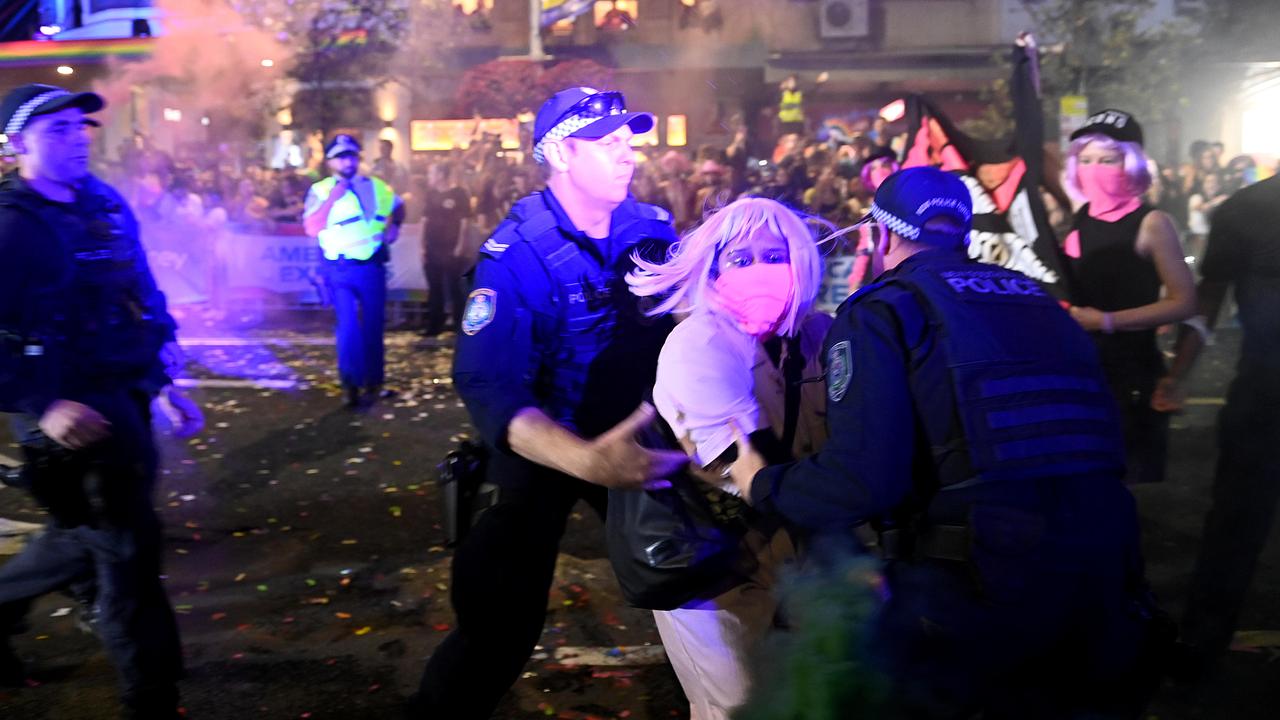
{"x": 28, "y": 101}
{"x": 560, "y": 132}
{"x": 894, "y": 223}
{"x": 586, "y": 113}
{"x": 20, "y": 116}
{"x": 907, "y": 200}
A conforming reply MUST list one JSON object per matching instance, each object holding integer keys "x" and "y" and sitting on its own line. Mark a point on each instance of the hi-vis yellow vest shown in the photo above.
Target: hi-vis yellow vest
{"x": 356, "y": 224}
{"x": 791, "y": 109}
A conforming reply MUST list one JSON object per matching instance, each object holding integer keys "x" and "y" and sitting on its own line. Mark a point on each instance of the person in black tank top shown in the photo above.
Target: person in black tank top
{"x": 1121, "y": 253}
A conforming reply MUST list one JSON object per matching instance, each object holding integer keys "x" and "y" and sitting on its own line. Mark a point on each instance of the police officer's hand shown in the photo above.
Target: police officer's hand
{"x": 340, "y": 188}
{"x": 743, "y": 470}
{"x": 391, "y": 234}
{"x": 616, "y": 460}
{"x": 182, "y": 412}
{"x": 174, "y": 359}
{"x": 74, "y": 425}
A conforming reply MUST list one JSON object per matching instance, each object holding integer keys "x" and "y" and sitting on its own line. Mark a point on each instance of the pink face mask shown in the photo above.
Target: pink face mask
{"x": 1104, "y": 186}
{"x": 756, "y": 296}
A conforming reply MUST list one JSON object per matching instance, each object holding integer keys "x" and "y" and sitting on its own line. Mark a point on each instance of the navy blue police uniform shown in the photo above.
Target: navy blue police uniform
{"x": 354, "y": 268}
{"x": 83, "y": 320}
{"x": 550, "y": 324}
{"x": 971, "y": 426}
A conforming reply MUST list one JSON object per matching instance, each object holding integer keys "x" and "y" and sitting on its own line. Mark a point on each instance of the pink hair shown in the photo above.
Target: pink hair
{"x": 1136, "y": 164}
{"x": 871, "y": 165}
{"x": 684, "y": 280}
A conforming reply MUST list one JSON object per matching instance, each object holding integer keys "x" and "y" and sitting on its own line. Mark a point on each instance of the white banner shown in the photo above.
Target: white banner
{"x": 286, "y": 263}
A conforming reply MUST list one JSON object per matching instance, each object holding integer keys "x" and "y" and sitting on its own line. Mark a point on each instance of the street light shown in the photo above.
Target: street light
{"x": 65, "y": 70}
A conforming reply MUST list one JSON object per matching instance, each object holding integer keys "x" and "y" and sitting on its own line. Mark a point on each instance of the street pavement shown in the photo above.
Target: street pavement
{"x": 305, "y": 557}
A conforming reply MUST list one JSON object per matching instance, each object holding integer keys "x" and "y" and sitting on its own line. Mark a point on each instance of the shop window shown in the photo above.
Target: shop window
{"x": 616, "y": 15}
{"x": 677, "y": 130}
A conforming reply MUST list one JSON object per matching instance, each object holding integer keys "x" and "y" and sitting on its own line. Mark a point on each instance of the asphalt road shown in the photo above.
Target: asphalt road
{"x": 304, "y": 557}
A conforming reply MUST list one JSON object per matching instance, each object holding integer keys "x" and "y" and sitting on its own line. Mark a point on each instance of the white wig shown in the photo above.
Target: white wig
{"x": 685, "y": 280}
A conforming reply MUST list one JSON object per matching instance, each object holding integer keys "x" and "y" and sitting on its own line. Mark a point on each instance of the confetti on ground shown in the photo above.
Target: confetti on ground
{"x": 616, "y": 656}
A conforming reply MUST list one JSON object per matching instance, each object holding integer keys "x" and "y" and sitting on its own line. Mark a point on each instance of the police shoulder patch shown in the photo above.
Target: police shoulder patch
{"x": 495, "y": 247}
{"x": 482, "y": 305}
{"x": 839, "y": 370}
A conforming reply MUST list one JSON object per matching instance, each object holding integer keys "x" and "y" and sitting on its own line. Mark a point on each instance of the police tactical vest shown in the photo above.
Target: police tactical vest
{"x": 1030, "y": 398}
{"x": 589, "y": 301}
{"x": 791, "y": 109}
{"x": 357, "y": 220}
{"x": 94, "y": 321}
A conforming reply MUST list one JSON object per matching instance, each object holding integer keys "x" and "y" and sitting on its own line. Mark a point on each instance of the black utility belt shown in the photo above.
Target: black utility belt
{"x": 935, "y": 542}
{"x": 14, "y": 344}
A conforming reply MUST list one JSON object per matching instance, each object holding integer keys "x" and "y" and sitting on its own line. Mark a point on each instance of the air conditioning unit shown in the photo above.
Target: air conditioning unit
{"x": 844, "y": 19}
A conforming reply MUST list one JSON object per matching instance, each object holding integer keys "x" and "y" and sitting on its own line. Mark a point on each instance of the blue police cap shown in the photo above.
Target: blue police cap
{"x": 341, "y": 144}
{"x": 908, "y": 199}
{"x": 584, "y": 112}
{"x": 34, "y": 99}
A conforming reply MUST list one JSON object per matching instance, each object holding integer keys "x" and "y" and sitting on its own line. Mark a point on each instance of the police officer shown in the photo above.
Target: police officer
{"x": 791, "y": 117}
{"x": 553, "y": 361}
{"x": 971, "y": 425}
{"x": 87, "y": 344}
{"x": 355, "y": 218}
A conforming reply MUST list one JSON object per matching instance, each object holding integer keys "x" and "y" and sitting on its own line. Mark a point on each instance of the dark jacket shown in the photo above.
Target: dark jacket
{"x": 79, "y": 309}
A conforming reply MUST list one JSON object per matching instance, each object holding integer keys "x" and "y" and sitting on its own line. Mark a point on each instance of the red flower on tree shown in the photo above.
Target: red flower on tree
{"x": 503, "y": 88}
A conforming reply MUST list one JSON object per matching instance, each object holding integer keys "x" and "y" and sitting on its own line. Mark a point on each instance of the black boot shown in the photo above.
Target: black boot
{"x": 352, "y": 396}
{"x": 11, "y": 670}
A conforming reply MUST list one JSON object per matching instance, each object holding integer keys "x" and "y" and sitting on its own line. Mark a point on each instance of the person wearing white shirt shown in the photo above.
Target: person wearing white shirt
{"x": 747, "y": 279}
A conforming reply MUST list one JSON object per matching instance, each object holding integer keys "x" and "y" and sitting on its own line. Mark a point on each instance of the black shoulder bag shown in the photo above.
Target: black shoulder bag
{"x": 669, "y": 546}
{"x": 666, "y": 545}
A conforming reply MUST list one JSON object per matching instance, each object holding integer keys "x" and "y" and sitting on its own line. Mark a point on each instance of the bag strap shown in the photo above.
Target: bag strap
{"x": 792, "y": 376}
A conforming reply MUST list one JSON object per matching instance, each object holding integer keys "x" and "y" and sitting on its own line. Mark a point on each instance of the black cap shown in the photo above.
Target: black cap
{"x": 34, "y": 99}
{"x": 1115, "y": 124}
{"x": 340, "y": 145}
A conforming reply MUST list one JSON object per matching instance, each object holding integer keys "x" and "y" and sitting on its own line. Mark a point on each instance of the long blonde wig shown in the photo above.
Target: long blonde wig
{"x": 685, "y": 280}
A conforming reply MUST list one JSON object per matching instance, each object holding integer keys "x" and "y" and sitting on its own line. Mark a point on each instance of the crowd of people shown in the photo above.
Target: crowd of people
{"x": 986, "y": 502}
{"x": 201, "y": 192}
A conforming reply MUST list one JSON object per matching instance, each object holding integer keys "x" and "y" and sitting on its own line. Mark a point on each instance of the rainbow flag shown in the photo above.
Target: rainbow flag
{"x": 359, "y": 36}
{"x": 553, "y": 11}
{"x": 45, "y": 52}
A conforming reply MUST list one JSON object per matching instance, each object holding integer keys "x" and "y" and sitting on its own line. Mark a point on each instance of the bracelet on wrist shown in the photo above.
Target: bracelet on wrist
{"x": 1108, "y": 324}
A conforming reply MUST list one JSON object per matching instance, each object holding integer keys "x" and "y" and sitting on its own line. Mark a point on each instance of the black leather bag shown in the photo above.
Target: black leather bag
{"x": 669, "y": 546}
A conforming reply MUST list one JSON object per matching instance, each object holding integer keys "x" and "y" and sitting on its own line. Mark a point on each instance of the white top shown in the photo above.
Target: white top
{"x": 1197, "y": 217}
{"x": 711, "y": 374}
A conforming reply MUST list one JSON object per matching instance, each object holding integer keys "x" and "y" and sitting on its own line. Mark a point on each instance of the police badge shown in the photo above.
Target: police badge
{"x": 481, "y": 306}
{"x": 839, "y": 370}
